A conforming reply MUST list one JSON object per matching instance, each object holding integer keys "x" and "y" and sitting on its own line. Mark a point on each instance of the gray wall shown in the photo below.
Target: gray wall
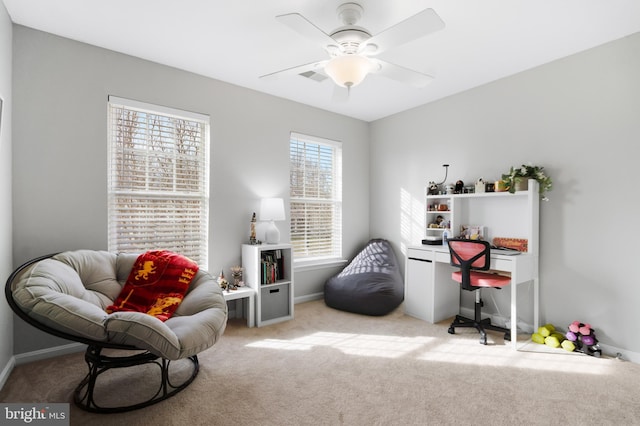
{"x": 577, "y": 117}
{"x": 6, "y": 317}
{"x": 60, "y": 152}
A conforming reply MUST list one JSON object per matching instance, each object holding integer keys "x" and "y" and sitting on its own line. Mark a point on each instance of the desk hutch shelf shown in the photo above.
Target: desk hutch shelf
{"x": 502, "y": 214}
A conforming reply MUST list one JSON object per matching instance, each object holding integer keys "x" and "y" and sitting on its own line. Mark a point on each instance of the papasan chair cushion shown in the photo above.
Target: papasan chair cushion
{"x": 371, "y": 284}
{"x": 71, "y": 290}
{"x": 68, "y": 294}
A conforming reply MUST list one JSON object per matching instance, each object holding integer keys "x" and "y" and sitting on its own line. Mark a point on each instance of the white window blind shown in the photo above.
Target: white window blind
{"x": 316, "y": 197}
{"x": 158, "y": 184}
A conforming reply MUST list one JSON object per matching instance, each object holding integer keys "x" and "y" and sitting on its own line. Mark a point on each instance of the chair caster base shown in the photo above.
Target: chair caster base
{"x": 482, "y": 326}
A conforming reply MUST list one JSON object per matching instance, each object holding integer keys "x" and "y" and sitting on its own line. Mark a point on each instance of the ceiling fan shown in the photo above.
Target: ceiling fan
{"x": 352, "y": 49}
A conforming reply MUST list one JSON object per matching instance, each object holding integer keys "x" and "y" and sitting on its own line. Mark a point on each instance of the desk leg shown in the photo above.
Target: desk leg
{"x": 514, "y": 311}
{"x": 514, "y": 308}
{"x": 536, "y": 303}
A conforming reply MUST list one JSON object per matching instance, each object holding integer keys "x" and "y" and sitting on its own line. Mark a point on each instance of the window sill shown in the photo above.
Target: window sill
{"x": 310, "y": 265}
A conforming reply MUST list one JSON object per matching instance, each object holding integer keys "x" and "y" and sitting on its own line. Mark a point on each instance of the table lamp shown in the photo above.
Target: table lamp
{"x": 272, "y": 209}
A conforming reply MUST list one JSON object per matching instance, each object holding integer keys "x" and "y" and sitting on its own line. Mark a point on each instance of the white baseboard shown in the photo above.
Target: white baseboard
{"x": 48, "y": 353}
{"x": 622, "y": 354}
{"x": 309, "y": 297}
{"x": 37, "y": 356}
{"x": 6, "y": 371}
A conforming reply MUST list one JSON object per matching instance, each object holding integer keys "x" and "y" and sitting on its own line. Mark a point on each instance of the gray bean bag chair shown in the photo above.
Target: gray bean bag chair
{"x": 371, "y": 284}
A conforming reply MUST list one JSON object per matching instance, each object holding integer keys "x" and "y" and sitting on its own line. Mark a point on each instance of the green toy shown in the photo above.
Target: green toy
{"x": 568, "y": 345}
{"x": 546, "y": 330}
{"x": 537, "y": 338}
{"x": 547, "y": 335}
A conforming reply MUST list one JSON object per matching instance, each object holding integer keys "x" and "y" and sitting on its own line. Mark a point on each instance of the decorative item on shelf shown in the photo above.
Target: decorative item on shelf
{"x": 438, "y": 223}
{"x": 222, "y": 281}
{"x": 433, "y": 188}
{"x": 272, "y": 209}
{"x": 500, "y": 186}
{"x": 458, "y": 189}
{"x": 252, "y": 236}
{"x": 236, "y": 273}
{"x": 480, "y": 188}
{"x": 518, "y": 179}
{"x": 490, "y": 187}
{"x": 472, "y": 232}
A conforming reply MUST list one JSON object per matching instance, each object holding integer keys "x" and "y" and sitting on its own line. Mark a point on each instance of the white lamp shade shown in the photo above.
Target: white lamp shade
{"x": 348, "y": 70}
{"x": 272, "y": 209}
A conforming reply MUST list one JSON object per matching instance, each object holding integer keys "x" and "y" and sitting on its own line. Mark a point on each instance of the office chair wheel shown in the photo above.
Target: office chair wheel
{"x": 483, "y": 339}
{"x": 507, "y": 336}
{"x": 452, "y": 330}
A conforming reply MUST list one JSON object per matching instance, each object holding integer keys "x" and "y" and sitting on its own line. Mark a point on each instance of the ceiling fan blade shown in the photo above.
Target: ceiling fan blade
{"x": 403, "y": 75}
{"x": 416, "y": 26}
{"x": 317, "y": 66}
{"x": 303, "y": 26}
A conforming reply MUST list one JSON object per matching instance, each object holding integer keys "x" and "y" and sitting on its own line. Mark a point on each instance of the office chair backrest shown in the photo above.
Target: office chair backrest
{"x": 475, "y": 253}
{"x": 468, "y": 255}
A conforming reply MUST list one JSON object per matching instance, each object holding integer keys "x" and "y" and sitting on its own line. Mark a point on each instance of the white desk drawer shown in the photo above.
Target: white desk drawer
{"x": 414, "y": 253}
{"x": 443, "y": 257}
{"x": 502, "y": 264}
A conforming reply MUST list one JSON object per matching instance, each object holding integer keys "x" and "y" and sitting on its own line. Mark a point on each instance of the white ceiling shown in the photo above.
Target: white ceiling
{"x": 238, "y": 41}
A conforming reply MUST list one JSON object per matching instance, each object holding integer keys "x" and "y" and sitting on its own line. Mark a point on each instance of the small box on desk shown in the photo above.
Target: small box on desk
{"x": 432, "y": 241}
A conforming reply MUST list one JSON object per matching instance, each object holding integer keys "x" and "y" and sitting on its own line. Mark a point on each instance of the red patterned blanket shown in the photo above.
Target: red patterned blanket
{"x": 156, "y": 284}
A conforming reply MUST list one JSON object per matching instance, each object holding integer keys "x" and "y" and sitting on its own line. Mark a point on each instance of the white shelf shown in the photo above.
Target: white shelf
{"x": 274, "y": 300}
{"x": 481, "y": 195}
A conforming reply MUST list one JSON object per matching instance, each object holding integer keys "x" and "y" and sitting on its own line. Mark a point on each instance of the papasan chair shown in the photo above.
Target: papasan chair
{"x": 370, "y": 284}
{"x": 98, "y": 298}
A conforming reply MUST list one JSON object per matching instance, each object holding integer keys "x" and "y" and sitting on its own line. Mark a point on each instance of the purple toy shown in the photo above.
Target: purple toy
{"x": 584, "y": 338}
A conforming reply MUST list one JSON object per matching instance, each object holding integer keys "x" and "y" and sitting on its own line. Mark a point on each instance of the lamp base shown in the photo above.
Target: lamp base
{"x": 272, "y": 234}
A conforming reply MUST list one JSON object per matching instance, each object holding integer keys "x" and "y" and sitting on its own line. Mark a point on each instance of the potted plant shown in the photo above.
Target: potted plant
{"x": 517, "y": 179}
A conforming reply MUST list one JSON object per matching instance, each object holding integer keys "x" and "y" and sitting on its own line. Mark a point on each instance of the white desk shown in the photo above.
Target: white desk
{"x": 241, "y": 293}
{"x": 435, "y": 297}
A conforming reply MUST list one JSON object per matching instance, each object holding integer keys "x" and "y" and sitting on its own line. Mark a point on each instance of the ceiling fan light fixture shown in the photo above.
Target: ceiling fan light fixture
{"x": 348, "y": 70}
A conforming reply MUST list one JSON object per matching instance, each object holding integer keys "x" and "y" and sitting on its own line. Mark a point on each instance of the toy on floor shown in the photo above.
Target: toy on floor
{"x": 580, "y": 338}
{"x": 547, "y": 335}
{"x": 583, "y": 338}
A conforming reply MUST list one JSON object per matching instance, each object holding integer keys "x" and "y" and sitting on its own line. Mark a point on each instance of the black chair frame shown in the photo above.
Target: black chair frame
{"x": 99, "y": 363}
{"x": 466, "y": 266}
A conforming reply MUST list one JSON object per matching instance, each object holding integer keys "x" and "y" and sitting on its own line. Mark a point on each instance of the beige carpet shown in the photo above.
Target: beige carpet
{"x": 328, "y": 367}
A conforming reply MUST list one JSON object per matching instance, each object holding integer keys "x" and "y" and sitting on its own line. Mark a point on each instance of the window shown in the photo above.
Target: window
{"x": 316, "y": 197}
{"x": 158, "y": 184}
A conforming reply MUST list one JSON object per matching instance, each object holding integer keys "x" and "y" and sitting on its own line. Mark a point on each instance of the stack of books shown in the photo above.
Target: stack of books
{"x": 272, "y": 264}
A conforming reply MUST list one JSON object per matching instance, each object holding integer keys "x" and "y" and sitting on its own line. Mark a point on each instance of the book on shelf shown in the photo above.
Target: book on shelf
{"x": 272, "y": 264}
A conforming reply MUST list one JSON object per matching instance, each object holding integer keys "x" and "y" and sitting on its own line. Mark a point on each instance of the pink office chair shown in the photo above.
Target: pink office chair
{"x": 472, "y": 256}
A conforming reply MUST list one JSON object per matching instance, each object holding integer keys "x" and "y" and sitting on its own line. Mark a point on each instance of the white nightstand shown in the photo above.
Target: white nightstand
{"x": 242, "y": 293}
